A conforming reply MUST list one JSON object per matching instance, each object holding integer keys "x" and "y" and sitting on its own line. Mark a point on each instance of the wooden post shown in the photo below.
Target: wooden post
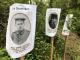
{"x": 63, "y": 56}
{"x": 51, "y": 50}
{"x": 21, "y": 58}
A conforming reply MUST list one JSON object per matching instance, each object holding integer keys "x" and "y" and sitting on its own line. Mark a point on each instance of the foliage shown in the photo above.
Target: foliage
{"x": 76, "y": 23}
{"x": 41, "y": 50}
{"x": 4, "y": 55}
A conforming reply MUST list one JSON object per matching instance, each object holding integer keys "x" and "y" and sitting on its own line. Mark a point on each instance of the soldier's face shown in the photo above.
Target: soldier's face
{"x": 19, "y": 24}
{"x": 55, "y": 21}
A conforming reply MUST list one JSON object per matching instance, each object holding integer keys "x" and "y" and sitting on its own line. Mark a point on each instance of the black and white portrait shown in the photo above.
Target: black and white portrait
{"x": 53, "y": 20}
{"x": 20, "y": 28}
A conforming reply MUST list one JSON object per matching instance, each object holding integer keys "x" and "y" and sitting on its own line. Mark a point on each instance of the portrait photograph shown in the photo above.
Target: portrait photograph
{"x": 53, "y": 20}
{"x": 20, "y": 28}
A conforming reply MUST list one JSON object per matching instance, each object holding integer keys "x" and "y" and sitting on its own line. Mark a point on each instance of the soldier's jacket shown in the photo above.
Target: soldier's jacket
{"x": 19, "y": 37}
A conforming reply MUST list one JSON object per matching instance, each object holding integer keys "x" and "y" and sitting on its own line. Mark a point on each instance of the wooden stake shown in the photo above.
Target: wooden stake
{"x": 51, "y": 51}
{"x": 63, "y": 56}
{"x": 21, "y": 58}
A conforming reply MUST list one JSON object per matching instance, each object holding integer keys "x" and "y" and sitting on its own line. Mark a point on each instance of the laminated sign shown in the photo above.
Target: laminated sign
{"x": 67, "y": 24}
{"x": 21, "y": 29}
{"x": 52, "y": 21}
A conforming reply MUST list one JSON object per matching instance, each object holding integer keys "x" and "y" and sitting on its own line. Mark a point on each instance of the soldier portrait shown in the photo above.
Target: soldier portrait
{"x": 53, "y": 20}
{"x": 20, "y": 29}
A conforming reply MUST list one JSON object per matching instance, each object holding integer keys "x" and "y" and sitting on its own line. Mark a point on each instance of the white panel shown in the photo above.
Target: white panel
{"x": 21, "y": 27}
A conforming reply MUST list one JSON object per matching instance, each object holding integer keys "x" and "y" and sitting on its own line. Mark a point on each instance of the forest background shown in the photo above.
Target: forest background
{"x": 41, "y": 50}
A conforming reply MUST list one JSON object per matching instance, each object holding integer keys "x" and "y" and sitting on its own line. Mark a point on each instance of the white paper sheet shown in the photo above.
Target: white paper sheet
{"x": 56, "y": 15}
{"x": 21, "y": 27}
{"x": 67, "y": 24}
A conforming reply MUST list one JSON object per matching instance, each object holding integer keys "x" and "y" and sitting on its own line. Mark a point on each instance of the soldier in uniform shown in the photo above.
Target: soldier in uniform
{"x": 21, "y": 35}
{"x": 53, "y": 21}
